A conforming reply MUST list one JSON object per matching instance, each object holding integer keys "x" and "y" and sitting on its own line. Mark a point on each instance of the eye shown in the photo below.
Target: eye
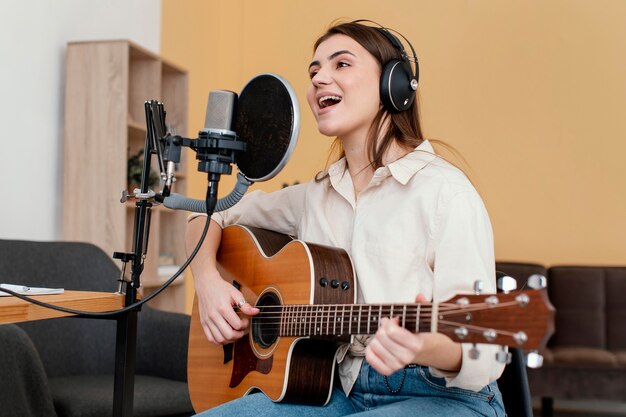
{"x": 342, "y": 64}
{"x": 313, "y": 72}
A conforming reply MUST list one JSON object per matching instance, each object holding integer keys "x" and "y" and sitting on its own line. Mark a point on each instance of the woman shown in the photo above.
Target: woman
{"x": 413, "y": 224}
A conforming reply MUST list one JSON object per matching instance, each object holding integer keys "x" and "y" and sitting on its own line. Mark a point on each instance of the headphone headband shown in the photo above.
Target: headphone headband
{"x": 398, "y": 81}
{"x": 393, "y": 40}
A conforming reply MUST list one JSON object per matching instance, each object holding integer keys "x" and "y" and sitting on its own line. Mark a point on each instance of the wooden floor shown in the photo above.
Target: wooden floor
{"x": 563, "y": 408}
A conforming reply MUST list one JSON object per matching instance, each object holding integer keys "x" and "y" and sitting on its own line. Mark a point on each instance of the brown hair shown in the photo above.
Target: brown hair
{"x": 403, "y": 127}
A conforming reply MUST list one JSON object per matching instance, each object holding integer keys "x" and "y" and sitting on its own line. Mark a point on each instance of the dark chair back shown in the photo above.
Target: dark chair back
{"x": 73, "y": 266}
{"x": 513, "y": 383}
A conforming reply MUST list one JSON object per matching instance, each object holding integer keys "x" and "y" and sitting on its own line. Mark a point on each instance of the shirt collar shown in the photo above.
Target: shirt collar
{"x": 402, "y": 169}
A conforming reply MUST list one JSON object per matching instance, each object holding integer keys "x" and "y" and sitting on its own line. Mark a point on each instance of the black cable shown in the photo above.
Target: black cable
{"x": 114, "y": 313}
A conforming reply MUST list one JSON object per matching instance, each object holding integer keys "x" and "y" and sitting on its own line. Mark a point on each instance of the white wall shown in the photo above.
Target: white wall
{"x": 33, "y": 35}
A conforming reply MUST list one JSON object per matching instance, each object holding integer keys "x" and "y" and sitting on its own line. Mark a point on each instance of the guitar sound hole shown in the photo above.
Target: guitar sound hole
{"x": 265, "y": 325}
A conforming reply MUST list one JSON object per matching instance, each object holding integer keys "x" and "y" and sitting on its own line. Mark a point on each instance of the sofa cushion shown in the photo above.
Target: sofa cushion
{"x": 590, "y": 311}
{"x": 578, "y": 295}
{"x": 615, "y": 308}
{"x": 583, "y": 356}
{"x": 92, "y": 396}
{"x": 620, "y": 356}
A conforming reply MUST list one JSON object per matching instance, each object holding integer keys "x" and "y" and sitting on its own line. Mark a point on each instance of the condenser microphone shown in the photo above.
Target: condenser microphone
{"x": 220, "y": 111}
{"x": 266, "y": 117}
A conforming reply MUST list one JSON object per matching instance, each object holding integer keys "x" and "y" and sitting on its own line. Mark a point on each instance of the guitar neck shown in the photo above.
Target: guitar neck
{"x": 520, "y": 319}
{"x": 344, "y": 319}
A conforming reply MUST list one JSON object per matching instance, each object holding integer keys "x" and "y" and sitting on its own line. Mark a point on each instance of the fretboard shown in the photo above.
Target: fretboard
{"x": 342, "y": 319}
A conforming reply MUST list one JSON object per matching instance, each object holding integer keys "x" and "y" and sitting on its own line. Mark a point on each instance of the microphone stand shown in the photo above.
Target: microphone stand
{"x": 126, "y": 338}
{"x": 216, "y": 150}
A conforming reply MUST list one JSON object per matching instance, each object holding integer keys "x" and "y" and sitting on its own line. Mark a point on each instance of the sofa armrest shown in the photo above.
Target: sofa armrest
{"x": 24, "y": 389}
{"x": 162, "y": 341}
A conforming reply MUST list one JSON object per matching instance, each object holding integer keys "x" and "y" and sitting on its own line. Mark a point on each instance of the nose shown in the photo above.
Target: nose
{"x": 321, "y": 77}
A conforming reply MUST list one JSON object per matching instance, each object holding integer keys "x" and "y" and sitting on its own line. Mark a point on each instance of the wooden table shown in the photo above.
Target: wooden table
{"x": 13, "y": 309}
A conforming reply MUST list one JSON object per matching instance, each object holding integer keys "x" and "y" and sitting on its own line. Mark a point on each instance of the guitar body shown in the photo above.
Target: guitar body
{"x": 271, "y": 269}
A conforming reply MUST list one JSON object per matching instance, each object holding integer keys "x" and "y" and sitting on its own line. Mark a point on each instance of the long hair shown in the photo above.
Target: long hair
{"x": 403, "y": 127}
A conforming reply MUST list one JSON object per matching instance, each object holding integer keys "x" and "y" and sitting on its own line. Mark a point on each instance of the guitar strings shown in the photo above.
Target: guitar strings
{"x": 326, "y": 310}
{"x": 288, "y": 327}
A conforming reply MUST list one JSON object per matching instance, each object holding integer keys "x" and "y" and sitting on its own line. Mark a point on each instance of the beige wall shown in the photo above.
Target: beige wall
{"x": 532, "y": 93}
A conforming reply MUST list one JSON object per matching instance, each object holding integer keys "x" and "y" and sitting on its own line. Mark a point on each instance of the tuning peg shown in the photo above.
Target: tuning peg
{"x": 461, "y": 332}
{"x": 534, "y": 360}
{"x": 492, "y": 301}
{"x": 505, "y": 283}
{"x": 522, "y": 299}
{"x": 537, "y": 282}
{"x": 478, "y": 286}
{"x": 504, "y": 356}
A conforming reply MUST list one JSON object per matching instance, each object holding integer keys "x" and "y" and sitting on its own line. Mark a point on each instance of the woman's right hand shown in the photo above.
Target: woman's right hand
{"x": 218, "y": 301}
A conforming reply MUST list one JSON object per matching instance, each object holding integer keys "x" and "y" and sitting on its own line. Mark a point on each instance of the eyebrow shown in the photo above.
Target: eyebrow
{"x": 332, "y": 56}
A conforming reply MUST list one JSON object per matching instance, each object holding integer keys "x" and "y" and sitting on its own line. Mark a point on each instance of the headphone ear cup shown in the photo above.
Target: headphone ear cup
{"x": 396, "y": 81}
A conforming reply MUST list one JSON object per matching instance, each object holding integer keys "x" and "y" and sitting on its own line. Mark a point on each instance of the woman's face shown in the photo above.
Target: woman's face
{"x": 344, "y": 92}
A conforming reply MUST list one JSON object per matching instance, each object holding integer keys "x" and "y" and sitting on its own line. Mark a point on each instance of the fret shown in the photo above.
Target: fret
{"x": 320, "y": 318}
{"x": 290, "y": 320}
{"x": 369, "y": 318}
{"x": 327, "y": 318}
{"x": 380, "y": 314}
{"x": 343, "y": 319}
{"x": 350, "y": 318}
{"x": 301, "y": 324}
{"x": 359, "y": 322}
{"x": 391, "y": 312}
{"x": 310, "y": 316}
{"x": 417, "y": 318}
{"x": 404, "y": 316}
{"x": 298, "y": 319}
{"x": 433, "y": 317}
{"x": 335, "y": 322}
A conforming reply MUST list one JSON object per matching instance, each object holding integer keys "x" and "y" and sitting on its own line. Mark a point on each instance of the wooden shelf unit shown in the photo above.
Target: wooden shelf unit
{"x": 106, "y": 85}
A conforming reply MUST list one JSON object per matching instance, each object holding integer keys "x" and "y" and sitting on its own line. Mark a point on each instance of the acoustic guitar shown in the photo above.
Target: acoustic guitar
{"x": 307, "y": 295}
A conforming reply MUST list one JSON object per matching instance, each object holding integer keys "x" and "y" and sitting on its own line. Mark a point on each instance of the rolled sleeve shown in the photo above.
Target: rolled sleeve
{"x": 279, "y": 211}
{"x": 475, "y": 372}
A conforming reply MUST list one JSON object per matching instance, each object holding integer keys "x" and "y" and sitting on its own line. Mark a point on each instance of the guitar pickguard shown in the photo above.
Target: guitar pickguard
{"x": 246, "y": 361}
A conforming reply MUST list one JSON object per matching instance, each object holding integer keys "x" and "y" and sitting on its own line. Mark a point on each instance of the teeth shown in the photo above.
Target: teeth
{"x": 322, "y": 100}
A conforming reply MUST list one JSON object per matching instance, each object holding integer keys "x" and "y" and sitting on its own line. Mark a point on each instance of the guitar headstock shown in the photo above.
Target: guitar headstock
{"x": 519, "y": 319}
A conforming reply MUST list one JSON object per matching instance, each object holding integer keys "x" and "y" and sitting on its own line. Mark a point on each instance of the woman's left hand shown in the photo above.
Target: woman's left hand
{"x": 394, "y": 347}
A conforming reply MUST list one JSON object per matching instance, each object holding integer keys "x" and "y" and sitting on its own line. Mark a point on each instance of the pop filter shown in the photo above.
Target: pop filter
{"x": 268, "y": 121}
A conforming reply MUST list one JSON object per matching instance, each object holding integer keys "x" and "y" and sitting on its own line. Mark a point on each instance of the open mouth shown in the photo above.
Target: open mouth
{"x": 328, "y": 101}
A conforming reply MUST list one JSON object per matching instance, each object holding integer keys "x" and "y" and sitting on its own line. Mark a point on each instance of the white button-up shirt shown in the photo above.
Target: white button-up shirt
{"x": 418, "y": 227}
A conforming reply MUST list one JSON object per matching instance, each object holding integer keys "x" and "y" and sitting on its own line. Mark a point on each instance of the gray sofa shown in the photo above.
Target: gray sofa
{"x": 586, "y": 356}
{"x": 67, "y": 364}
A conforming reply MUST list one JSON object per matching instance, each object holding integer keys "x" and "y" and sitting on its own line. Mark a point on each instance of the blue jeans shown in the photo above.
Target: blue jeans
{"x": 420, "y": 395}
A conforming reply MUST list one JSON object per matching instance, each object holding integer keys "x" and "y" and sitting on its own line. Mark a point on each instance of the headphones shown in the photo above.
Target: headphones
{"x": 398, "y": 82}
